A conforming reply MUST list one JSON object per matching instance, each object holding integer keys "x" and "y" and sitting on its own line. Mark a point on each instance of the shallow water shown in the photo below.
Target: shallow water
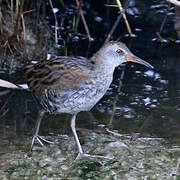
{"x": 148, "y": 103}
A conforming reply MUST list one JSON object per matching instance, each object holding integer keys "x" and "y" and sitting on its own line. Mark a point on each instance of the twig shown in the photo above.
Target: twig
{"x": 124, "y": 17}
{"x": 62, "y": 3}
{"x": 23, "y": 25}
{"x": 116, "y": 22}
{"x": 17, "y": 7}
{"x": 146, "y": 123}
{"x": 5, "y": 105}
{"x": 111, "y": 5}
{"x": 20, "y": 11}
{"x": 83, "y": 19}
{"x": 116, "y": 98}
{"x": 165, "y": 18}
{"x": 56, "y": 22}
{"x": 175, "y": 2}
{"x": 29, "y": 11}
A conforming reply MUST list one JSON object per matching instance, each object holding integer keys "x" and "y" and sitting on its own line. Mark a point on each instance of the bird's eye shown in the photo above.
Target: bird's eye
{"x": 119, "y": 51}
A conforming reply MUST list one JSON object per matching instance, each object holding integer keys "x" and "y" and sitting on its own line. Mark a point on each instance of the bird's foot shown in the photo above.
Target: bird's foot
{"x": 91, "y": 158}
{"x": 40, "y": 139}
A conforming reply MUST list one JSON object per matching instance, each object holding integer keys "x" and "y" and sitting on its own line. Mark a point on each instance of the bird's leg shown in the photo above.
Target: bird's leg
{"x": 73, "y": 127}
{"x": 81, "y": 154}
{"x": 36, "y": 136}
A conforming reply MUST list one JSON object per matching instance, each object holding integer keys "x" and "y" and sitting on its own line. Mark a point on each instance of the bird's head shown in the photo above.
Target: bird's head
{"x": 118, "y": 53}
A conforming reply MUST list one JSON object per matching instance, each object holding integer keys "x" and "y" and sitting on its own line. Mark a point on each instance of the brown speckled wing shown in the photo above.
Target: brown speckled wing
{"x": 60, "y": 73}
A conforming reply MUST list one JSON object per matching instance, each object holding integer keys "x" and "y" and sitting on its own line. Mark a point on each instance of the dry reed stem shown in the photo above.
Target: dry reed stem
{"x": 17, "y": 25}
{"x": 116, "y": 99}
{"x": 56, "y": 22}
{"x": 2, "y": 109}
{"x": 111, "y": 5}
{"x": 62, "y": 3}
{"x": 124, "y": 17}
{"x": 116, "y": 22}
{"x": 148, "y": 121}
{"x": 24, "y": 27}
{"x": 165, "y": 18}
{"x": 83, "y": 19}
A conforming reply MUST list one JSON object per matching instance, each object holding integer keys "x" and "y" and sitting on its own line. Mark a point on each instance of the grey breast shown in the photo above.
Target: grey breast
{"x": 73, "y": 101}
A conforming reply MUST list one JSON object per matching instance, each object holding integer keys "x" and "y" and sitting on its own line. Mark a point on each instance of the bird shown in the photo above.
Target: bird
{"x": 71, "y": 85}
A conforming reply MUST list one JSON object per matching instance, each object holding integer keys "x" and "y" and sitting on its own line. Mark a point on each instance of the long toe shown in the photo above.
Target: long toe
{"x": 94, "y": 158}
{"x": 47, "y": 141}
{"x": 36, "y": 138}
{"x": 40, "y": 140}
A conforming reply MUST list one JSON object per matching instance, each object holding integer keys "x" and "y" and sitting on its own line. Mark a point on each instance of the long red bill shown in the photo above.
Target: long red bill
{"x": 138, "y": 60}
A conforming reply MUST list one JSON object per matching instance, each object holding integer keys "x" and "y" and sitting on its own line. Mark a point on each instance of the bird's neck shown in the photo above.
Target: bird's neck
{"x": 102, "y": 64}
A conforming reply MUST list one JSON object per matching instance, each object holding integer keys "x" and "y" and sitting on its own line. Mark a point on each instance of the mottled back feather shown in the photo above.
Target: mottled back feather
{"x": 64, "y": 72}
